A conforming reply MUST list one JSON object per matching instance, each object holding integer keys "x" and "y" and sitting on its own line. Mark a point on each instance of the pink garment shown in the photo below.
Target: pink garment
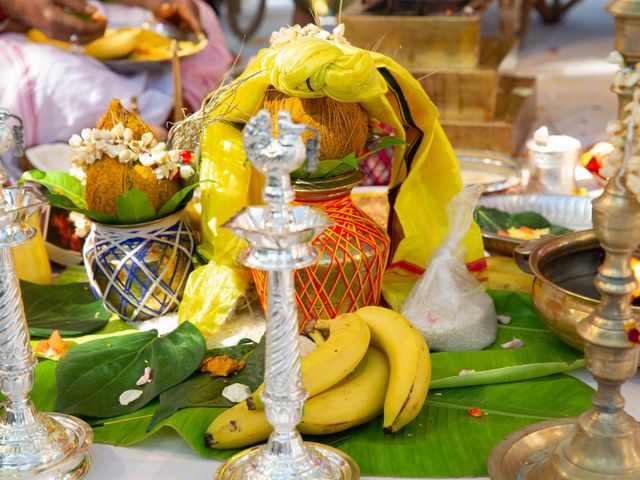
{"x": 58, "y": 93}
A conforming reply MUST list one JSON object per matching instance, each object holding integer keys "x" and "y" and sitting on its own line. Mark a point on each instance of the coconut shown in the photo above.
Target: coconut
{"x": 107, "y": 178}
{"x": 343, "y": 126}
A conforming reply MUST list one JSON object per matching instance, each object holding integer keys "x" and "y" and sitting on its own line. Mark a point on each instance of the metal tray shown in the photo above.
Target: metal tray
{"x": 494, "y": 171}
{"x": 568, "y": 211}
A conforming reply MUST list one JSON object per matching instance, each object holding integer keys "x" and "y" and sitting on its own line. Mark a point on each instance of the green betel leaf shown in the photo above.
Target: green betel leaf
{"x": 58, "y": 183}
{"x": 134, "y": 207}
{"x": 63, "y": 202}
{"x": 71, "y": 309}
{"x": 91, "y": 377}
{"x": 179, "y": 199}
{"x": 201, "y": 390}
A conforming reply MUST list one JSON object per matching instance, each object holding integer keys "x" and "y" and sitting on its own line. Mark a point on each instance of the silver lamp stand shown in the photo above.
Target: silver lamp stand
{"x": 279, "y": 237}
{"x": 33, "y": 445}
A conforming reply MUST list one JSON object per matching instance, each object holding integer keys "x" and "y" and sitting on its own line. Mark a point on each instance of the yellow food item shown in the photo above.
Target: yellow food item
{"x": 526, "y": 233}
{"x": 115, "y": 43}
{"x": 354, "y": 401}
{"x": 409, "y": 361}
{"x": 221, "y": 366}
{"x": 333, "y": 360}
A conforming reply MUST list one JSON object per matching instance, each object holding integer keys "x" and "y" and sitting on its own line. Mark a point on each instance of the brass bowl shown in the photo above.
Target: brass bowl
{"x": 563, "y": 292}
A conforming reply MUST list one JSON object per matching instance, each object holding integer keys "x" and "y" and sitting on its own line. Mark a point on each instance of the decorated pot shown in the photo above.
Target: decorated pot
{"x": 140, "y": 271}
{"x": 352, "y": 256}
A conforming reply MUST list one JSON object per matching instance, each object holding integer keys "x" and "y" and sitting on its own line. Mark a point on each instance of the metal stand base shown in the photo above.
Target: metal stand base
{"x": 62, "y": 454}
{"x": 328, "y": 463}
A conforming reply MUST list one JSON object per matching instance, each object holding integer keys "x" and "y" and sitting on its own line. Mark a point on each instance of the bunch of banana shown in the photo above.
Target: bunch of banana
{"x": 373, "y": 361}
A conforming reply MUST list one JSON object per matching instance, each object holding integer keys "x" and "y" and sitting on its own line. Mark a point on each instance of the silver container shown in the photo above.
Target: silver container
{"x": 552, "y": 162}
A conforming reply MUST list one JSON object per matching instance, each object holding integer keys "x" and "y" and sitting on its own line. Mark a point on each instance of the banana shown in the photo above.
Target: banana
{"x": 409, "y": 361}
{"x": 333, "y": 360}
{"x": 351, "y": 402}
{"x": 237, "y": 427}
{"x": 115, "y": 43}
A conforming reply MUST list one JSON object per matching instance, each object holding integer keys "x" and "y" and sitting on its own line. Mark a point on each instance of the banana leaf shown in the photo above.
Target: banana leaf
{"x": 445, "y": 440}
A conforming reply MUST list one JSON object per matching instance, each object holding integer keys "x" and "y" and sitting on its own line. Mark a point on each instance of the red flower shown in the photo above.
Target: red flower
{"x": 185, "y": 156}
{"x": 634, "y": 335}
{"x": 475, "y": 412}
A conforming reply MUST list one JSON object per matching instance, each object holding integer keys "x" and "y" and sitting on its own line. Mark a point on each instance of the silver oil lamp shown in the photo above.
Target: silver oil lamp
{"x": 33, "y": 445}
{"x": 279, "y": 237}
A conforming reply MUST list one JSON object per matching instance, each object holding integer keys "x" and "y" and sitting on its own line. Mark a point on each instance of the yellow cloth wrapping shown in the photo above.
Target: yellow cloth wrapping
{"x": 312, "y": 67}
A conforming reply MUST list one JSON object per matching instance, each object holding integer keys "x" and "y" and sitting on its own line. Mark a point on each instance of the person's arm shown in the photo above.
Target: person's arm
{"x": 172, "y": 10}
{"x": 55, "y": 18}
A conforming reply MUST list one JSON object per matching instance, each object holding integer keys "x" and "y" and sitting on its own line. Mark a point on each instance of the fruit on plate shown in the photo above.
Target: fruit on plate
{"x": 353, "y": 401}
{"x": 333, "y": 360}
{"x": 409, "y": 360}
{"x": 374, "y": 361}
{"x": 115, "y": 43}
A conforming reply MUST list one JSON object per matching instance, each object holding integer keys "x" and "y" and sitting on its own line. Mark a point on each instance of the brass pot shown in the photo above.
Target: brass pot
{"x": 563, "y": 292}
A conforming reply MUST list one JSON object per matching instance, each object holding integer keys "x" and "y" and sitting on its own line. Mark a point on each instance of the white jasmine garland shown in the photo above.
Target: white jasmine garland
{"x": 289, "y": 34}
{"x": 118, "y": 143}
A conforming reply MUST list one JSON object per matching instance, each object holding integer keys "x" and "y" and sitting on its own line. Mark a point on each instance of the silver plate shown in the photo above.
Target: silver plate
{"x": 123, "y": 65}
{"x": 494, "y": 171}
{"x": 567, "y": 211}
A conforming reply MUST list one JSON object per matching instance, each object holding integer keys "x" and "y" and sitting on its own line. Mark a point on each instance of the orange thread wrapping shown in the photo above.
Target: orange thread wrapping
{"x": 348, "y": 275}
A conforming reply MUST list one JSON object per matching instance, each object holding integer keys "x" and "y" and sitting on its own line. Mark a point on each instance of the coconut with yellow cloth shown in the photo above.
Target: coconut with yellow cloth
{"x": 335, "y": 87}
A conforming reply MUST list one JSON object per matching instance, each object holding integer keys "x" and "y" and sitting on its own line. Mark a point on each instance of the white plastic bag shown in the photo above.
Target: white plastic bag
{"x": 447, "y": 304}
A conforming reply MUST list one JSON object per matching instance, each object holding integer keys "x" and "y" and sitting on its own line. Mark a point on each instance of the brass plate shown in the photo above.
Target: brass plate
{"x": 514, "y": 457}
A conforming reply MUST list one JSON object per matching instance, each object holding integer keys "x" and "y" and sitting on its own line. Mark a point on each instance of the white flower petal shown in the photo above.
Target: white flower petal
{"x": 129, "y": 396}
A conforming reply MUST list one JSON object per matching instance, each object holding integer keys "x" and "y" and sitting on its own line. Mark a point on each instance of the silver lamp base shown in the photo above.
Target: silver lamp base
{"x": 326, "y": 463}
{"x": 59, "y": 451}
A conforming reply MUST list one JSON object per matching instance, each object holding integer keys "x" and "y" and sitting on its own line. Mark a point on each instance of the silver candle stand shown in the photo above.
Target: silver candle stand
{"x": 279, "y": 237}
{"x": 33, "y": 445}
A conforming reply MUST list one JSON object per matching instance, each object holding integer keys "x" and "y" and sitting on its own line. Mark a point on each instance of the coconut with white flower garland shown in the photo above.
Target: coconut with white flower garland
{"x": 139, "y": 249}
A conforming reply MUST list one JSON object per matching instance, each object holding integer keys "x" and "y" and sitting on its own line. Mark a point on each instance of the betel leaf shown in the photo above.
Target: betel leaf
{"x": 134, "y": 207}
{"x": 61, "y": 201}
{"x": 58, "y": 183}
{"x": 331, "y": 168}
{"x": 72, "y": 309}
{"x": 91, "y": 376}
{"x": 179, "y": 199}
{"x": 493, "y": 220}
{"x": 203, "y": 391}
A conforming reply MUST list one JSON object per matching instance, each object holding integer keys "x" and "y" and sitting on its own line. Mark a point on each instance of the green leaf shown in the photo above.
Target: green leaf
{"x": 61, "y": 201}
{"x": 134, "y": 207}
{"x": 445, "y": 441}
{"x": 72, "y": 309}
{"x": 201, "y": 390}
{"x": 492, "y": 220}
{"x": 384, "y": 142}
{"x": 58, "y": 183}
{"x": 91, "y": 376}
{"x": 72, "y": 274}
{"x": 179, "y": 199}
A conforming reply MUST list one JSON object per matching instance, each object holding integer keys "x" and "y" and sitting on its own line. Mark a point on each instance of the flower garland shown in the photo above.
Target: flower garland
{"x": 289, "y": 34}
{"x": 620, "y": 131}
{"x": 92, "y": 144}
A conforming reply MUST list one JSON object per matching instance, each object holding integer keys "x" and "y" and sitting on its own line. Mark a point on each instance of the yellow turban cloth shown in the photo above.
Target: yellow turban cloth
{"x": 425, "y": 174}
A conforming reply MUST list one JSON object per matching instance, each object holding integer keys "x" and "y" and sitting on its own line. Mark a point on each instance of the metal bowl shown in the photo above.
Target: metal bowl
{"x": 563, "y": 292}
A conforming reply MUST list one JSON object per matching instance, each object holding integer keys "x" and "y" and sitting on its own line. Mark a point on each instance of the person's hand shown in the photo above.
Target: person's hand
{"x": 68, "y": 20}
{"x": 177, "y": 10}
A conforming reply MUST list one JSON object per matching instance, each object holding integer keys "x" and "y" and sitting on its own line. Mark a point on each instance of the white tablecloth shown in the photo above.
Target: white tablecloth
{"x": 166, "y": 457}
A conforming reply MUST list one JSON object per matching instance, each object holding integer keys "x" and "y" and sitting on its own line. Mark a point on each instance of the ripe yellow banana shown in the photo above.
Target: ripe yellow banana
{"x": 352, "y": 402}
{"x": 333, "y": 360}
{"x": 115, "y": 43}
{"x": 409, "y": 361}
